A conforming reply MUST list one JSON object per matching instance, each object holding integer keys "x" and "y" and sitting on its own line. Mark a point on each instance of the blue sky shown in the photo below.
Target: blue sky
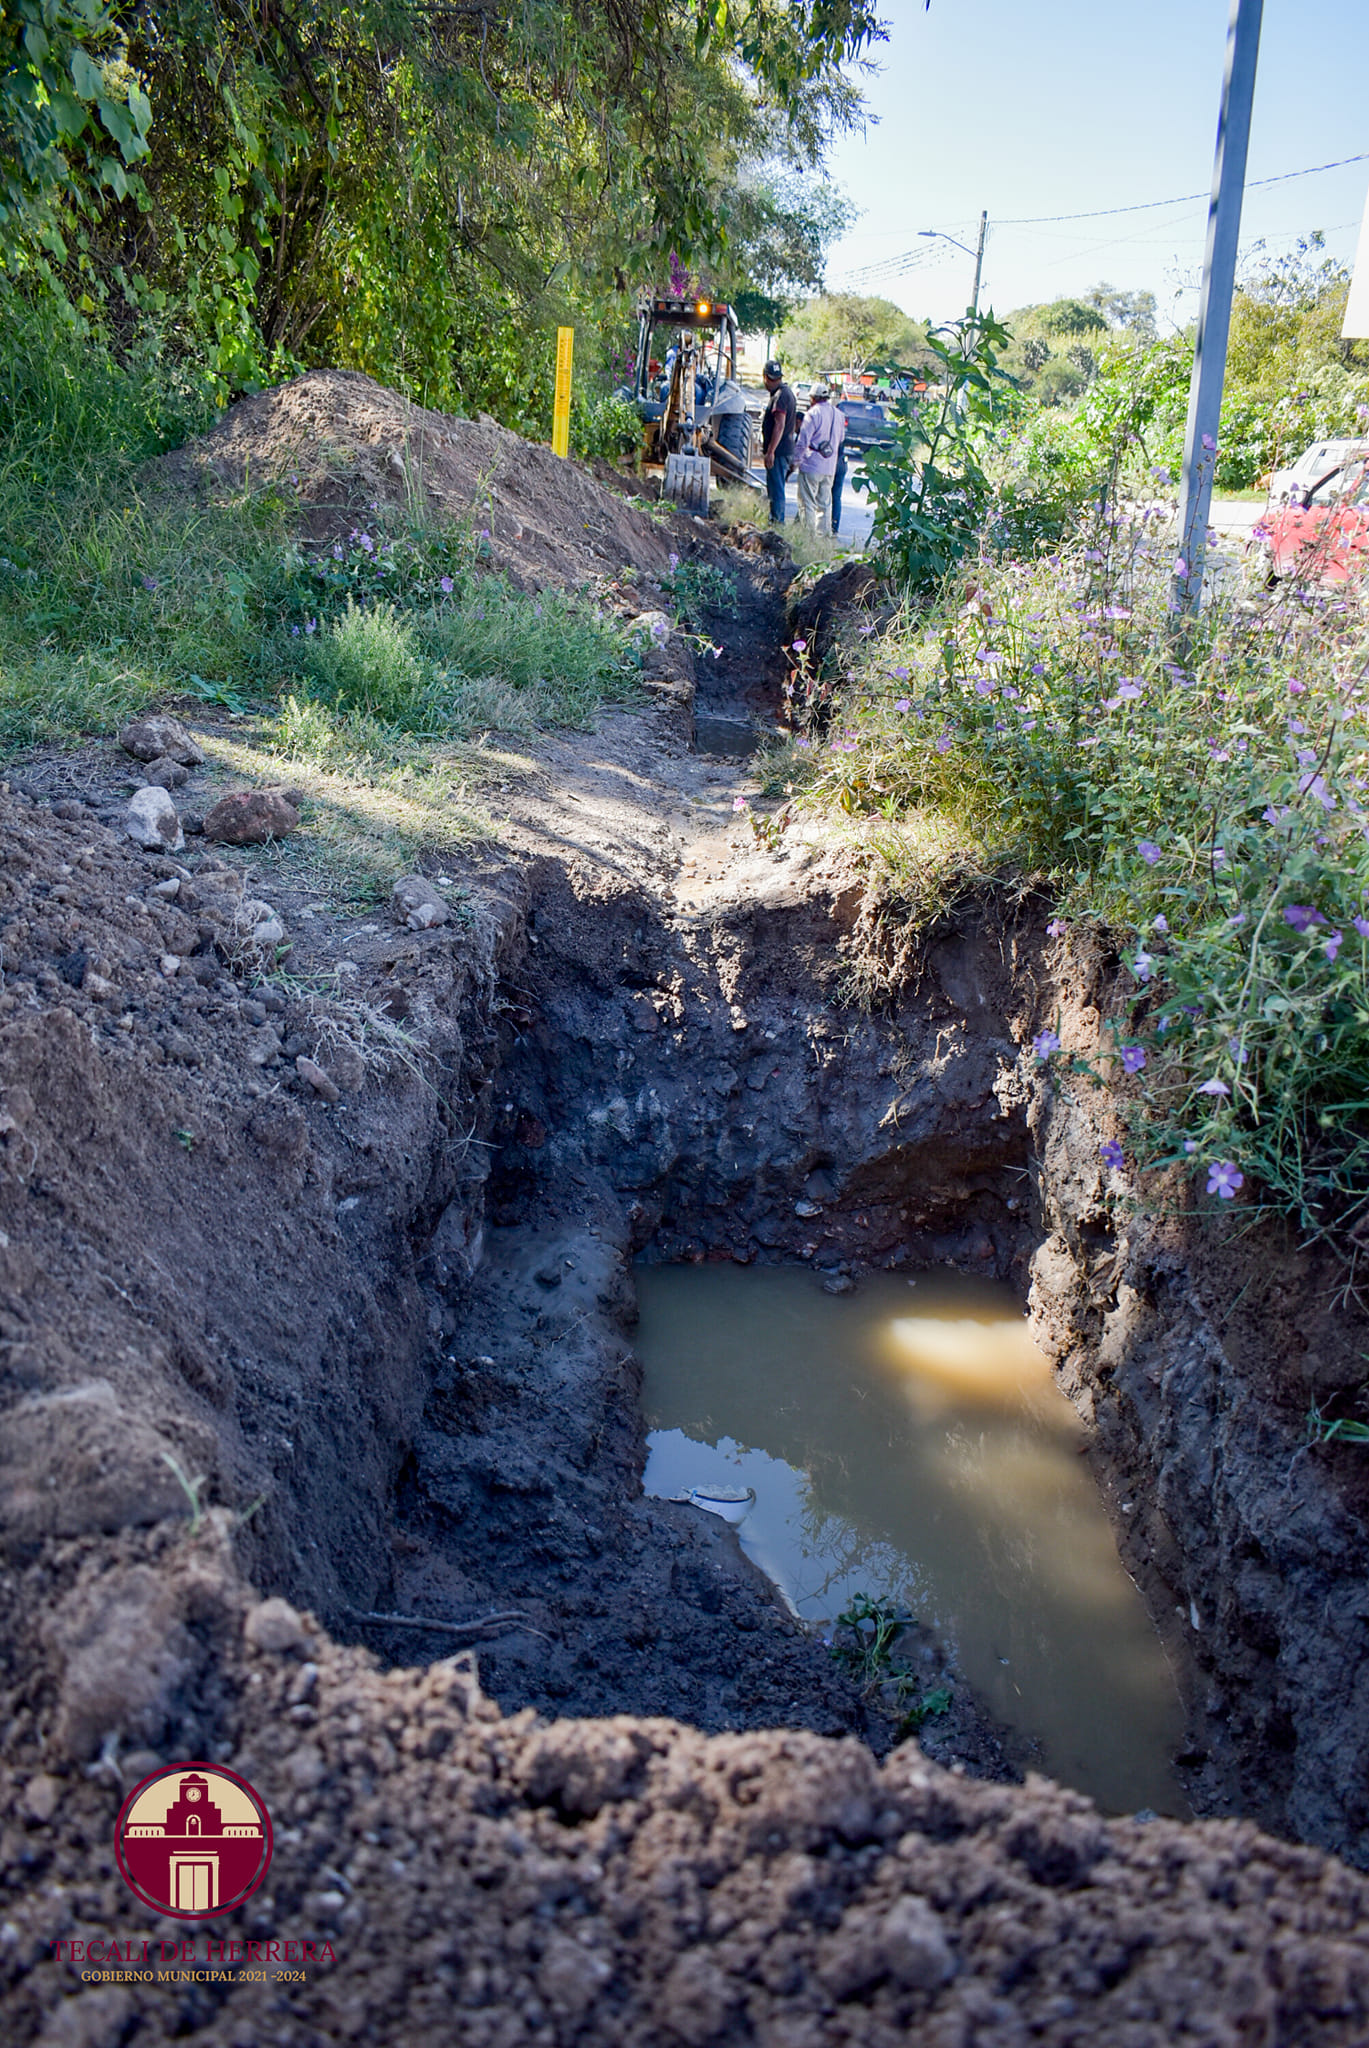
{"x": 1085, "y": 104}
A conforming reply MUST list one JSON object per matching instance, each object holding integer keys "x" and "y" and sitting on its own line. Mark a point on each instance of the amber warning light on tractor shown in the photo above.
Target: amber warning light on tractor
{"x": 678, "y": 309}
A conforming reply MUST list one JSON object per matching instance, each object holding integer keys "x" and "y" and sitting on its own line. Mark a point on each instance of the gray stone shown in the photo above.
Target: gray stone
{"x": 275, "y": 1625}
{"x": 160, "y": 738}
{"x": 152, "y": 821}
{"x": 417, "y": 904}
{"x": 166, "y": 773}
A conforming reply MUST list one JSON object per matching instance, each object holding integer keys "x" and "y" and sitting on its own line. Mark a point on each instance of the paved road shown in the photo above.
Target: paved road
{"x": 856, "y": 516}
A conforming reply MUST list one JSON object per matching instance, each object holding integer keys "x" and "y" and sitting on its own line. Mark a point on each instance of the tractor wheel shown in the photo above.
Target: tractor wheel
{"x": 732, "y": 431}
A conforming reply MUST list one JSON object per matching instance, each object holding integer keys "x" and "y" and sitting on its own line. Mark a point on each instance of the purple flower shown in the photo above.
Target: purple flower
{"x": 1159, "y": 923}
{"x": 739, "y": 803}
{"x": 1143, "y": 966}
{"x": 797, "y": 646}
{"x": 1237, "y": 1051}
{"x": 311, "y": 627}
{"x": 149, "y": 583}
{"x": 1149, "y": 852}
{"x": 1223, "y": 1178}
{"x": 1332, "y": 945}
{"x": 674, "y": 561}
{"x": 1181, "y": 567}
{"x": 446, "y": 586}
{"x": 983, "y": 686}
{"x": 364, "y": 541}
{"x": 1044, "y": 1044}
{"x": 1362, "y": 926}
{"x": 903, "y": 704}
{"x": 1209, "y": 443}
{"x": 1057, "y": 928}
{"x": 943, "y": 745}
{"x": 1302, "y": 916}
{"x": 1111, "y": 1153}
{"x": 1133, "y": 1058}
{"x": 1295, "y": 688}
{"x": 899, "y": 674}
{"x": 1213, "y": 1087}
{"x": 484, "y": 533}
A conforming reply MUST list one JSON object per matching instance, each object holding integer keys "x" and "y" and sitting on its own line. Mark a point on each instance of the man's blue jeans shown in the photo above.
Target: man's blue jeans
{"x": 774, "y": 484}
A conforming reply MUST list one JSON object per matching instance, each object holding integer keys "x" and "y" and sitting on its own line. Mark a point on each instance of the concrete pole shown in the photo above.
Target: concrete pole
{"x": 979, "y": 263}
{"x": 1214, "y": 306}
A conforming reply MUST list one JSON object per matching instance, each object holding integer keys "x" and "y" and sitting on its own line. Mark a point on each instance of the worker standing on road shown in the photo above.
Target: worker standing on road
{"x": 777, "y": 438}
{"x": 816, "y": 455}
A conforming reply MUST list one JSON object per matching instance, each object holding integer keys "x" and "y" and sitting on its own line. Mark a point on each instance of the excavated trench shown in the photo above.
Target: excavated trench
{"x": 666, "y": 1066}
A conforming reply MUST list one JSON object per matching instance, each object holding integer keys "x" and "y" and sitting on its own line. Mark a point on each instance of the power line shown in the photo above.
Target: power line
{"x": 1147, "y": 205}
{"x": 910, "y": 259}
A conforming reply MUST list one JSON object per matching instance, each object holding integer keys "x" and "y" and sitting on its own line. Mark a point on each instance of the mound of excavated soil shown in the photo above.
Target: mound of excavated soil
{"x": 345, "y": 447}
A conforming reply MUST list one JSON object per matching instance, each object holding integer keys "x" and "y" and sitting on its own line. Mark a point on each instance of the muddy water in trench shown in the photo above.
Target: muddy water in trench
{"x": 908, "y": 1442}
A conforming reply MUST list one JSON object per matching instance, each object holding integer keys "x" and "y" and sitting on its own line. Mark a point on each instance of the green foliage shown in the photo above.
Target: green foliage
{"x": 695, "y": 588}
{"x": 421, "y": 193}
{"x": 866, "y": 1647}
{"x": 73, "y": 120}
{"x": 1340, "y": 1429}
{"x": 929, "y": 489}
{"x": 842, "y": 333}
{"x": 1211, "y": 805}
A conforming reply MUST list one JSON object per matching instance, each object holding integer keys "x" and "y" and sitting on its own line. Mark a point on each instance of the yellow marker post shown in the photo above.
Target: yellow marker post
{"x": 560, "y": 418}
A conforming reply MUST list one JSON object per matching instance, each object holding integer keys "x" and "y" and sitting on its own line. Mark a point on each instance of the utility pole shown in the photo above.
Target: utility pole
{"x": 979, "y": 262}
{"x": 1214, "y": 305}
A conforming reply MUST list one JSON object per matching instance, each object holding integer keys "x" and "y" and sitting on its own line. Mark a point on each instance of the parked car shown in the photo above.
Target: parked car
{"x": 1309, "y": 469}
{"x": 1322, "y": 534}
{"x": 867, "y": 425}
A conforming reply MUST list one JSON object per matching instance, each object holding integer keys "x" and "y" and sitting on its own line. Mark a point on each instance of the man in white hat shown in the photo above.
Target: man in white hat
{"x": 820, "y": 436}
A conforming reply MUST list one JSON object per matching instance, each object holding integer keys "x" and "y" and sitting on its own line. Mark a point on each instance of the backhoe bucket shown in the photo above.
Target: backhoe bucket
{"x": 687, "y": 479}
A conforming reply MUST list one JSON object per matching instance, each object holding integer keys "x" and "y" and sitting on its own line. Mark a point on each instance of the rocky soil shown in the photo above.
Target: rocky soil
{"x": 314, "y": 1284}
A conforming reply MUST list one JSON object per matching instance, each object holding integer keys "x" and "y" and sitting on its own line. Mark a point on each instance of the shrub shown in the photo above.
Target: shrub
{"x": 1204, "y": 800}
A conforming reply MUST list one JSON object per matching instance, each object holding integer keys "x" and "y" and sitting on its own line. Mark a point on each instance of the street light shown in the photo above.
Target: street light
{"x": 978, "y": 253}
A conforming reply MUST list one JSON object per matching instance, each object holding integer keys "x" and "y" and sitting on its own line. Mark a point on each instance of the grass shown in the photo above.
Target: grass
{"x": 377, "y": 657}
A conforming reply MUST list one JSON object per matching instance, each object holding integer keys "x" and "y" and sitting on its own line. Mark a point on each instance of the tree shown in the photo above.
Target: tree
{"x": 424, "y": 191}
{"x": 844, "y": 332}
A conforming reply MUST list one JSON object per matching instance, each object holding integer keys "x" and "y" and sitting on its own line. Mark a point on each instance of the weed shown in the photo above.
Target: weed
{"x": 695, "y": 588}
{"x": 189, "y": 1487}
{"x": 1206, "y": 804}
{"x": 872, "y": 1629}
{"x": 1325, "y": 1429}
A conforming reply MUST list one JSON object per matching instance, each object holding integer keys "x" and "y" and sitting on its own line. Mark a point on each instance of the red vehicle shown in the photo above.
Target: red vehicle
{"x": 1322, "y": 534}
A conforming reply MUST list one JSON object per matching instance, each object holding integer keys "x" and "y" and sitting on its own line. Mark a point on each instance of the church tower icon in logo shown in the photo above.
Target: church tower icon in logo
{"x": 193, "y": 1840}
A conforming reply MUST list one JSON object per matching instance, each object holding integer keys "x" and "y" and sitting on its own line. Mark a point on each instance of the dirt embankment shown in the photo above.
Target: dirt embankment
{"x": 392, "y": 1332}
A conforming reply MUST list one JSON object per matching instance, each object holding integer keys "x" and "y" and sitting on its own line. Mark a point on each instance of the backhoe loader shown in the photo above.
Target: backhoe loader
{"x": 688, "y": 398}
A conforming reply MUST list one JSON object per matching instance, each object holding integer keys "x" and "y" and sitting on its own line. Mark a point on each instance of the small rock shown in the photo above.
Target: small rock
{"x": 270, "y": 932}
{"x": 170, "y": 964}
{"x": 40, "y": 1797}
{"x": 264, "y": 1048}
{"x": 69, "y": 809}
{"x": 178, "y": 1047}
{"x": 807, "y": 1209}
{"x": 167, "y": 774}
{"x": 548, "y": 1276}
{"x": 249, "y": 817}
{"x": 152, "y": 821}
{"x": 275, "y": 1625}
{"x": 170, "y": 888}
{"x": 417, "y": 904}
{"x": 193, "y": 823}
{"x": 103, "y": 990}
{"x": 160, "y": 738}
{"x": 322, "y": 1083}
{"x": 839, "y": 1283}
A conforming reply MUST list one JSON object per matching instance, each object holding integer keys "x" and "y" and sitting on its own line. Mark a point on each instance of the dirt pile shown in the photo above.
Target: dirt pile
{"x": 631, "y": 1881}
{"x": 343, "y": 448}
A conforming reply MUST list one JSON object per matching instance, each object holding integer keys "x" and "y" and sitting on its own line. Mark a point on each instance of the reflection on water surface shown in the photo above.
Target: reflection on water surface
{"x": 909, "y": 1442}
